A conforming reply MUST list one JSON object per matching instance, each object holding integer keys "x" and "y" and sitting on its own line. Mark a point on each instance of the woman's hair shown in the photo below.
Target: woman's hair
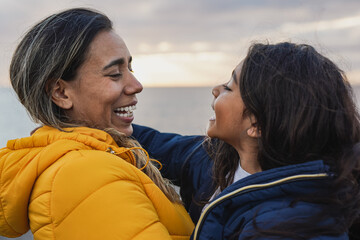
{"x": 54, "y": 49}
{"x": 304, "y": 109}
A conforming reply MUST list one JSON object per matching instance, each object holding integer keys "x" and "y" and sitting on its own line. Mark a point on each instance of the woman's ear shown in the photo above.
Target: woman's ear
{"x": 60, "y": 96}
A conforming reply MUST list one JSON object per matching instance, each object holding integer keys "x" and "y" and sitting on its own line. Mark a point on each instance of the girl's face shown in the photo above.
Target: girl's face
{"x": 229, "y": 122}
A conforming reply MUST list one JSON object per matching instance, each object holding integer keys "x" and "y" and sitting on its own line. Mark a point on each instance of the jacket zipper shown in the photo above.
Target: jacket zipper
{"x": 248, "y": 189}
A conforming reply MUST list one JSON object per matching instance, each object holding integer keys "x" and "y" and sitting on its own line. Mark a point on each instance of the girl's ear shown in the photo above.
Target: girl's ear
{"x": 253, "y": 131}
{"x": 60, "y": 96}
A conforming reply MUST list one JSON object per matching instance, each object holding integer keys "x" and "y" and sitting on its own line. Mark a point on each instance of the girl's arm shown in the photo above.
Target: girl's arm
{"x": 184, "y": 159}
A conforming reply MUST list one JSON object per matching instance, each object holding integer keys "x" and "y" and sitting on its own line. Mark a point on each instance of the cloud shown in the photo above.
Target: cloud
{"x": 161, "y": 27}
{"x": 354, "y": 77}
{"x": 183, "y": 69}
{"x": 329, "y": 25}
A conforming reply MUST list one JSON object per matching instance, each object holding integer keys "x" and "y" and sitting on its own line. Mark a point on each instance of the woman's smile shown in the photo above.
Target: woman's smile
{"x": 126, "y": 113}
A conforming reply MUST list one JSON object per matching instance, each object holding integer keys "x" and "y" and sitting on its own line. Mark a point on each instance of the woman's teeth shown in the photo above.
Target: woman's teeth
{"x": 125, "y": 111}
{"x": 124, "y": 114}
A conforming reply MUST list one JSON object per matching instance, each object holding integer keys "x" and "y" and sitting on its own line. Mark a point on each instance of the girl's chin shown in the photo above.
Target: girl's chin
{"x": 210, "y": 133}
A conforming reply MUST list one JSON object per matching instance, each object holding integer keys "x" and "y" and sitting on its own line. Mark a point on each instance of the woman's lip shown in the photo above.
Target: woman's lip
{"x": 212, "y": 118}
{"x": 129, "y": 108}
{"x": 127, "y": 118}
{"x": 127, "y": 105}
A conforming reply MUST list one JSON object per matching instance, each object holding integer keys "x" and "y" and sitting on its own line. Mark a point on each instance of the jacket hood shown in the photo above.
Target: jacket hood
{"x": 24, "y": 159}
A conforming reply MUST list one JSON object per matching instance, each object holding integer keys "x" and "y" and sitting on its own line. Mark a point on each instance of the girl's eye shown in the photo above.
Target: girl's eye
{"x": 226, "y": 87}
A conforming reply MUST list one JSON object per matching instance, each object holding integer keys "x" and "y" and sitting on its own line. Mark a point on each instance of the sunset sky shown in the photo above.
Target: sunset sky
{"x": 199, "y": 42}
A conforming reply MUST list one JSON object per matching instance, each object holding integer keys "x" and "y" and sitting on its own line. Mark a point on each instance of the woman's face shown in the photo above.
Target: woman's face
{"x": 229, "y": 123}
{"x": 103, "y": 91}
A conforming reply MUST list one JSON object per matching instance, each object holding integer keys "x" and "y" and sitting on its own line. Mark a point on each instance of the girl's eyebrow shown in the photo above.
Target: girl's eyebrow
{"x": 234, "y": 76}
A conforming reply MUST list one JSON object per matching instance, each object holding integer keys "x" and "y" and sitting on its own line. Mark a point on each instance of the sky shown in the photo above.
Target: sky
{"x": 199, "y": 42}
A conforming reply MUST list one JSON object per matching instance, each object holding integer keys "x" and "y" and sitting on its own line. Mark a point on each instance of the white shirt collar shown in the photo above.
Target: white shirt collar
{"x": 240, "y": 173}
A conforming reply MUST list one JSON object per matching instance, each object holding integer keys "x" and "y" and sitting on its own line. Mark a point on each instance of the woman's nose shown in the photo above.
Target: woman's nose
{"x": 134, "y": 86}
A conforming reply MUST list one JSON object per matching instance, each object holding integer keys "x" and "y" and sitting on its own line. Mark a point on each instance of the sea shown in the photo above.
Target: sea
{"x": 183, "y": 110}
{"x": 180, "y": 110}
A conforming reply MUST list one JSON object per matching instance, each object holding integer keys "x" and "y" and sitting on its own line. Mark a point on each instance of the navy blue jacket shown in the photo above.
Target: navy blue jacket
{"x": 264, "y": 199}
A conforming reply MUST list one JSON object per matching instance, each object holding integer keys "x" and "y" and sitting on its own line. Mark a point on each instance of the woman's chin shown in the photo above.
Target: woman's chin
{"x": 127, "y": 131}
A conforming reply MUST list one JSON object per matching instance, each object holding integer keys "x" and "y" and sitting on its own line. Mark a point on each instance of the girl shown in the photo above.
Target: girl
{"x": 283, "y": 146}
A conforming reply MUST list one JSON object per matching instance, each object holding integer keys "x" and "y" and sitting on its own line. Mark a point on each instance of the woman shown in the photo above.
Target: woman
{"x": 285, "y": 147}
{"x": 80, "y": 176}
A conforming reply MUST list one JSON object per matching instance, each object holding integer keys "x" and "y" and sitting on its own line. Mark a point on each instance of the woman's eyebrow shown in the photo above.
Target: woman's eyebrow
{"x": 119, "y": 61}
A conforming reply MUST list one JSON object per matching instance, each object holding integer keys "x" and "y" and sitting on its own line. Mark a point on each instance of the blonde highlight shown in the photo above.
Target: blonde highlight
{"x": 142, "y": 162}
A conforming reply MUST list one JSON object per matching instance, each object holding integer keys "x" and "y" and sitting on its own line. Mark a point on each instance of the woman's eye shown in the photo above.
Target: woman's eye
{"x": 114, "y": 76}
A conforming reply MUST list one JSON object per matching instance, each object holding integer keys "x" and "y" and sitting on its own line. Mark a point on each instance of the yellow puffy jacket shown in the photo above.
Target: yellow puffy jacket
{"x": 65, "y": 185}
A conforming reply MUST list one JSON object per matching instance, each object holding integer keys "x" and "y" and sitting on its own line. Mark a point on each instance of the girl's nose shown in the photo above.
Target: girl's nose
{"x": 215, "y": 91}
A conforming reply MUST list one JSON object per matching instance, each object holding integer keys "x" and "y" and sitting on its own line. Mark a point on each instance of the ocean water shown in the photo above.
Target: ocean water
{"x": 181, "y": 110}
